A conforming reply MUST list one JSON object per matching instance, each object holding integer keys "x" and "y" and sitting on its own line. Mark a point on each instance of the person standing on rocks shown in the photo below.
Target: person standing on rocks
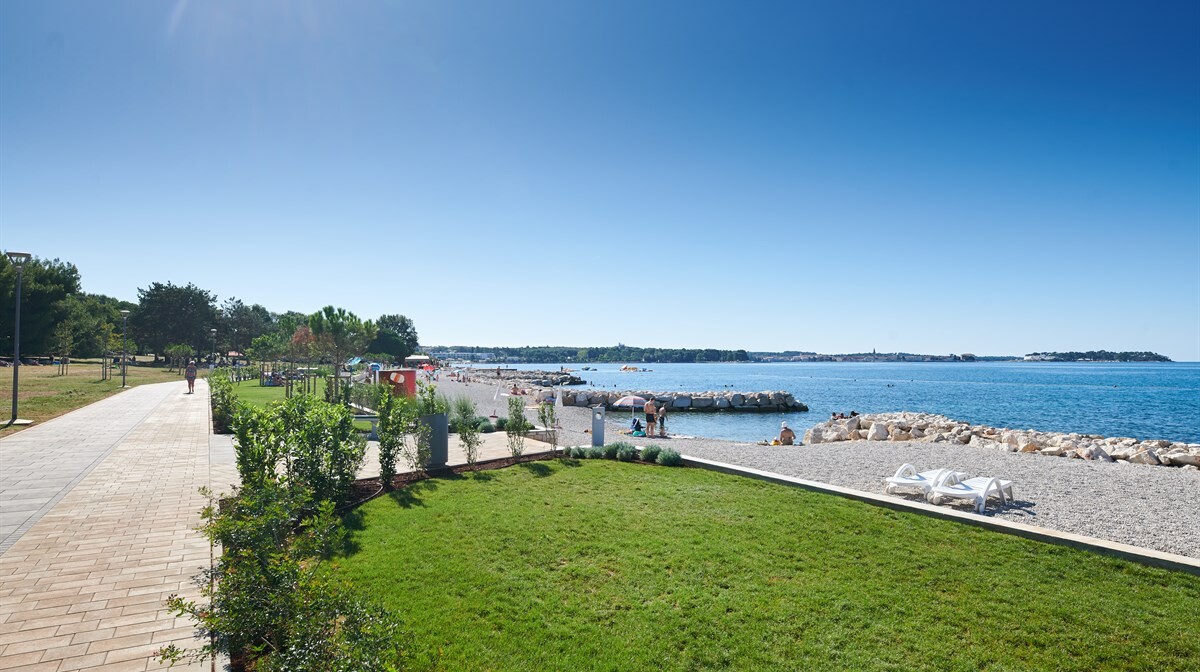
{"x": 190, "y": 374}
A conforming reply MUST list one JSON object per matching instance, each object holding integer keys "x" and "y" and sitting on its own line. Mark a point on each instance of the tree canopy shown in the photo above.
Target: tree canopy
{"x": 169, "y": 313}
{"x": 45, "y": 287}
{"x": 396, "y": 336}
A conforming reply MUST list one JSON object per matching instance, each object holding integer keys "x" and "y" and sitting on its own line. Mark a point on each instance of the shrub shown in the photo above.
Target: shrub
{"x": 501, "y": 424}
{"x": 397, "y": 419}
{"x": 651, "y": 452}
{"x": 462, "y": 411}
{"x": 517, "y": 426}
{"x": 610, "y": 450}
{"x": 595, "y": 453}
{"x": 626, "y": 453}
{"x": 547, "y": 415}
{"x": 669, "y": 458}
{"x": 223, "y": 400}
{"x": 485, "y": 426}
{"x": 258, "y": 443}
{"x": 323, "y": 450}
{"x": 577, "y": 452}
{"x": 266, "y": 597}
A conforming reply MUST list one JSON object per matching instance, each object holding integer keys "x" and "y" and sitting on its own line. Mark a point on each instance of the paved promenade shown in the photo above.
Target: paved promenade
{"x": 96, "y": 515}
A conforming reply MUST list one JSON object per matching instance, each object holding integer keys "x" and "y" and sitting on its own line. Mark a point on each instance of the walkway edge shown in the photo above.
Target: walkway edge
{"x": 1137, "y": 554}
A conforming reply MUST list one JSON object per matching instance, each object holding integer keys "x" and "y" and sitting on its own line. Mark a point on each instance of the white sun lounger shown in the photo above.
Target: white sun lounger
{"x": 977, "y": 489}
{"x": 908, "y": 477}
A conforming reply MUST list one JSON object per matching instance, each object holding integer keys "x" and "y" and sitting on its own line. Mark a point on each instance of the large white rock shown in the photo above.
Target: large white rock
{"x": 813, "y": 436}
{"x": 878, "y": 432}
{"x": 1181, "y": 459}
{"x": 1053, "y": 451}
{"x": 1145, "y": 457}
{"x": 852, "y": 424}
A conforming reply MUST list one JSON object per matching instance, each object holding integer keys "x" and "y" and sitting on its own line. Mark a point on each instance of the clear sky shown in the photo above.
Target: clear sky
{"x": 953, "y": 176}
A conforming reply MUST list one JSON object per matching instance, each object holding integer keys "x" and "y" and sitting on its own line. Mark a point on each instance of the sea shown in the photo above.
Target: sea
{"x": 1140, "y": 400}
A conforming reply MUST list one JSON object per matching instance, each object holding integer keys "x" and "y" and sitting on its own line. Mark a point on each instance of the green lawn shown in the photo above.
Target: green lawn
{"x": 254, "y": 394}
{"x": 44, "y": 394}
{"x": 600, "y": 565}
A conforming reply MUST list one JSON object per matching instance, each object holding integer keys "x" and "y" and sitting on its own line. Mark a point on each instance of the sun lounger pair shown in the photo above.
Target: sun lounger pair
{"x": 938, "y": 483}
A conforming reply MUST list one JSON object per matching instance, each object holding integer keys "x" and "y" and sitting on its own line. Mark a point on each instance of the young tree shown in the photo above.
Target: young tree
{"x": 346, "y": 333}
{"x": 517, "y": 426}
{"x": 549, "y": 419}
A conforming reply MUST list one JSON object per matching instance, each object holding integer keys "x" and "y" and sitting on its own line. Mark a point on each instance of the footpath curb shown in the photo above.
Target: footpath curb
{"x": 1137, "y": 554}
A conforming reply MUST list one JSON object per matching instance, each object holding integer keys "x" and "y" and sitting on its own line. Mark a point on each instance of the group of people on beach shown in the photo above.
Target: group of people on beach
{"x": 656, "y": 421}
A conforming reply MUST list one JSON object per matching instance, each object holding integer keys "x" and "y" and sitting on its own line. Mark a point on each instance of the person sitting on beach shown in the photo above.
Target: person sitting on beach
{"x": 786, "y": 436}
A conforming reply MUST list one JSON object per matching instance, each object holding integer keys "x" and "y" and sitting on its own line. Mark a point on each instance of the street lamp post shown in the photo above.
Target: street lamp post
{"x": 124, "y": 351}
{"x": 18, "y": 259}
{"x": 214, "y": 346}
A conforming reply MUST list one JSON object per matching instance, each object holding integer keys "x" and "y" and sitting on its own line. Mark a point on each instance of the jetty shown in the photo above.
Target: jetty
{"x": 705, "y": 402}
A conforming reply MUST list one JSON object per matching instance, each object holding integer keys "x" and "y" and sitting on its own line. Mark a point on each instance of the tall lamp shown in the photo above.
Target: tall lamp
{"x": 124, "y": 352}
{"x": 18, "y": 259}
{"x": 214, "y": 344}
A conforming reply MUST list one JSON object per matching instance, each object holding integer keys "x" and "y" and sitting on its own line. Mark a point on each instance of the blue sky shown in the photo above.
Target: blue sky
{"x": 995, "y": 178}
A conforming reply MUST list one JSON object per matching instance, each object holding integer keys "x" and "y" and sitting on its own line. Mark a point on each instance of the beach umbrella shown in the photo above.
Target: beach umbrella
{"x": 630, "y": 401}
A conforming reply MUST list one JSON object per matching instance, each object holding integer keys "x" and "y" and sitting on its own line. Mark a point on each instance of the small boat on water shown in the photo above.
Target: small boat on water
{"x": 629, "y": 368}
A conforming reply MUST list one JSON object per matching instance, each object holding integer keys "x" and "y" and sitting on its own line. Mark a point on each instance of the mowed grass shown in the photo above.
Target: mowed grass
{"x": 254, "y": 394}
{"x": 44, "y": 394}
{"x": 600, "y": 565}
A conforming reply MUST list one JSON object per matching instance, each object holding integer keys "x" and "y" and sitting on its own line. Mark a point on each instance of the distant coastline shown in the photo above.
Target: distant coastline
{"x": 621, "y": 353}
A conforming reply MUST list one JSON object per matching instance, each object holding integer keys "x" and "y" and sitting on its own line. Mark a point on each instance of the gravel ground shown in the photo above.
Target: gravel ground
{"x": 1147, "y": 506}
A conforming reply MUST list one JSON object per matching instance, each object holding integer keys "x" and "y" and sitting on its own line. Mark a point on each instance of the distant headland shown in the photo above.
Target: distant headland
{"x": 547, "y": 354}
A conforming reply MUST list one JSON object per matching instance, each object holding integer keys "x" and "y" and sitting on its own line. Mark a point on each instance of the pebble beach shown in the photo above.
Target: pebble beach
{"x": 1141, "y": 505}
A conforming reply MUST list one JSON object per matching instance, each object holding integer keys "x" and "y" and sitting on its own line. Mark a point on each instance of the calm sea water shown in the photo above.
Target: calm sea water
{"x": 1145, "y": 401}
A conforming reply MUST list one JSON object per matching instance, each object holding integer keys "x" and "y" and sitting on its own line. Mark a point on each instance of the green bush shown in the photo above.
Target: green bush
{"x": 323, "y": 449}
{"x": 595, "y": 453}
{"x": 397, "y": 419}
{"x": 258, "y": 443}
{"x": 517, "y": 426}
{"x": 610, "y": 450}
{"x": 501, "y": 424}
{"x": 669, "y": 458}
{"x": 651, "y": 452}
{"x": 484, "y": 425}
{"x": 223, "y": 400}
{"x": 577, "y": 452}
{"x": 267, "y": 597}
{"x": 626, "y": 453}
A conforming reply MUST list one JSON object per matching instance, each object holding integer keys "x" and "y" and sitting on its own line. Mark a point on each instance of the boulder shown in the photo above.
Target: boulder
{"x": 878, "y": 432}
{"x": 1145, "y": 457}
{"x": 813, "y": 436}
{"x": 900, "y": 435}
{"x": 1030, "y": 448}
{"x": 852, "y": 424}
{"x": 703, "y": 402}
{"x": 737, "y": 399}
{"x": 723, "y": 403}
{"x": 1053, "y": 451}
{"x": 1185, "y": 459}
{"x": 917, "y": 433}
{"x": 682, "y": 401}
{"x": 857, "y": 434}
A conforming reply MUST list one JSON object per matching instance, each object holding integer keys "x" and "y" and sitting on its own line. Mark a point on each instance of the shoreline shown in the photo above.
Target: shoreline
{"x": 1141, "y": 505}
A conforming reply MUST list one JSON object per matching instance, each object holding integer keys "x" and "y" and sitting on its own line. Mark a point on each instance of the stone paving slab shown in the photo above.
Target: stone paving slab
{"x": 82, "y": 586}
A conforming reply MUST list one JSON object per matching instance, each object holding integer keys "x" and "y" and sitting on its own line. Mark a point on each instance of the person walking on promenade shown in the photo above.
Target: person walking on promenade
{"x": 190, "y": 374}
{"x": 651, "y": 416}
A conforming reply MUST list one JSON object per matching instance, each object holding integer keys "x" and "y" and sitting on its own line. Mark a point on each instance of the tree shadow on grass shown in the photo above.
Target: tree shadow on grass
{"x": 353, "y": 521}
{"x": 410, "y": 495}
{"x": 570, "y": 462}
{"x": 538, "y": 469}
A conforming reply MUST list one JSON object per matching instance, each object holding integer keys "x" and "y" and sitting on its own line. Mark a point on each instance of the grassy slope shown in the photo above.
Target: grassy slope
{"x": 46, "y": 395}
{"x": 617, "y": 566}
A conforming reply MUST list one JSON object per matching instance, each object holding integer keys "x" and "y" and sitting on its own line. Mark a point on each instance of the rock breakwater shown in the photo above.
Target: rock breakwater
{"x": 928, "y": 428}
{"x": 737, "y": 402}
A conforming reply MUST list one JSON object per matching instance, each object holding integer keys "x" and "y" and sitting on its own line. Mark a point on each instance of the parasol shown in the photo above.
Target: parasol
{"x": 630, "y": 401}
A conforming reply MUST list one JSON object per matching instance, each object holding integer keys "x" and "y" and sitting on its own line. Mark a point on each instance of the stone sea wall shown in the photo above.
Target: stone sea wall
{"x": 940, "y": 429}
{"x": 737, "y": 402}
